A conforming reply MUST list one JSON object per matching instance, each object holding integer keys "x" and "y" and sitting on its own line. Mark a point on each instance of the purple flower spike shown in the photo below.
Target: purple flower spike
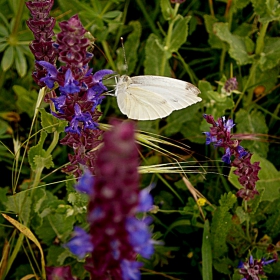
{"x": 253, "y": 269}
{"x": 220, "y": 135}
{"x": 80, "y": 244}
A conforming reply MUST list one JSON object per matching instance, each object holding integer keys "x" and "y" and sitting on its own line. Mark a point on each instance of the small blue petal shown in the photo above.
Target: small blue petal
{"x": 241, "y": 151}
{"x": 73, "y": 127}
{"x": 226, "y": 156}
{"x": 130, "y": 270}
{"x": 85, "y": 183}
{"x": 145, "y": 200}
{"x": 70, "y": 85}
{"x": 51, "y": 75}
{"x": 140, "y": 237}
{"x": 59, "y": 102}
{"x": 98, "y": 76}
{"x": 80, "y": 244}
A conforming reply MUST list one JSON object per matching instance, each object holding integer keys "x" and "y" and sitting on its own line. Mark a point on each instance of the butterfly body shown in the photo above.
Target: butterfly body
{"x": 153, "y": 97}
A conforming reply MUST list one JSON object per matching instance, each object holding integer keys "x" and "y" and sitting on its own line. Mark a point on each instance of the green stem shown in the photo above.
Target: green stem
{"x": 211, "y": 7}
{"x": 167, "y": 43}
{"x": 247, "y": 221}
{"x": 191, "y": 74}
{"x": 260, "y": 40}
{"x": 53, "y": 143}
{"x": 15, "y": 252}
{"x": 147, "y": 17}
{"x": 120, "y": 30}
{"x": 166, "y": 183}
{"x": 252, "y": 74}
{"x": 18, "y": 18}
{"x": 222, "y": 177}
{"x": 108, "y": 55}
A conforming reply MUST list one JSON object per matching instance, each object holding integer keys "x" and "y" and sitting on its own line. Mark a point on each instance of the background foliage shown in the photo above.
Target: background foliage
{"x": 203, "y": 42}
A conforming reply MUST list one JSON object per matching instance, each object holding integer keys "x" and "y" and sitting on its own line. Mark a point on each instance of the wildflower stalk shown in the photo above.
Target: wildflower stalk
{"x": 17, "y": 18}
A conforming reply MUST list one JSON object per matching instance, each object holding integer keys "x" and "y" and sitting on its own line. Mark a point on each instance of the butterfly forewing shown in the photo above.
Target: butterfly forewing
{"x": 153, "y": 97}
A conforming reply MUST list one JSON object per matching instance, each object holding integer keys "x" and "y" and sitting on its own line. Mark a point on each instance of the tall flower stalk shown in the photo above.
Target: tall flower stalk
{"x": 116, "y": 236}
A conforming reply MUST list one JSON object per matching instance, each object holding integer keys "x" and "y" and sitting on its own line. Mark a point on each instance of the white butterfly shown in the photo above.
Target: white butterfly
{"x": 153, "y": 97}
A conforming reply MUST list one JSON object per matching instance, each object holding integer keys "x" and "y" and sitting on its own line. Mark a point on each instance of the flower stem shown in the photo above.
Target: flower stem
{"x": 147, "y": 17}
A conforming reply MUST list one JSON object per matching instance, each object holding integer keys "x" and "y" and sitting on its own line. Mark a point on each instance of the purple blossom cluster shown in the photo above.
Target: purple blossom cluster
{"x": 235, "y": 155}
{"x": 79, "y": 90}
{"x": 116, "y": 236}
{"x": 253, "y": 269}
{"x": 41, "y": 24}
{"x": 230, "y": 85}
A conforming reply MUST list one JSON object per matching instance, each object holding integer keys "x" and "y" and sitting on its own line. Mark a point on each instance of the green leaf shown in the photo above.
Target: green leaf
{"x": 270, "y": 57}
{"x": 8, "y": 58}
{"x": 252, "y": 123}
{"x": 54, "y": 253}
{"x": 3, "y": 46}
{"x": 240, "y": 4}
{"x": 62, "y": 226}
{"x": 177, "y": 119}
{"x": 131, "y": 45}
{"x": 245, "y": 29}
{"x": 45, "y": 232}
{"x": 155, "y": 54}
{"x": 191, "y": 129}
{"x": 213, "y": 40}
{"x": 166, "y": 9}
{"x": 237, "y": 46}
{"x": 4, "y": 31}
{"x": 179, "y": 33}
{"x": 206, "y": 253}
{"x": 20, "y": 204}
{"x": 242, "y": 215}
{"x": 217, "y": 103}
{"x": 269, "y": 179}
{"x": 26, "y": 100}
{"x": 20, "y": 61}
{"x": 74, "y": 6}
{"x": 38, "y": 157}
{"x": 51, "y": 123}
{"x": 221, "y": 225}
{"x": 112, "y": 14}
{"x": 267, "y": 10}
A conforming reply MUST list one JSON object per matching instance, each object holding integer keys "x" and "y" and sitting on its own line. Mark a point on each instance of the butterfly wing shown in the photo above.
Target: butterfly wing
{"x": 178, "y": 94}
{"x": 153, "y": 97}
{"x": 142, "y": 104}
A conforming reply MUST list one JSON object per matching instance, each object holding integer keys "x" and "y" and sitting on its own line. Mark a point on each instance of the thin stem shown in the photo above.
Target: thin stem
{"x": 225, "y": 183}
{"x": 192, "y": 75}
{"x": 18, "y": 18}
{"x": 211, "y": 8}
{"x": 222, "y": 60}
{"x": 260, "y": 40}
{"x": 147, "y": 17}
{"x": 108, "y": 55}
{"x": 247, "y": 221}
{"x": 252, "y": 74}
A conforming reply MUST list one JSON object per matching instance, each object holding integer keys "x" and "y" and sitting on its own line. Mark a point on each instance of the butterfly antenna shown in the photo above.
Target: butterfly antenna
{"x": 124, "y": 55}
